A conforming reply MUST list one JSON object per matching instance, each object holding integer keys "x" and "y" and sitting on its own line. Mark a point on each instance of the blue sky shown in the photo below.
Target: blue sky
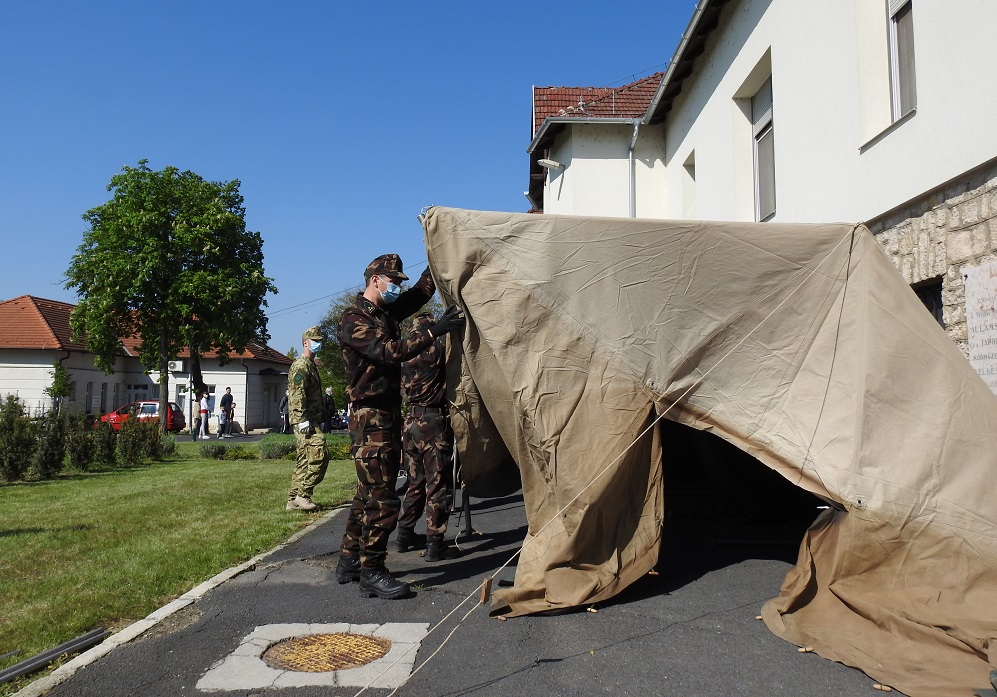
{"x": 341, "y": 120}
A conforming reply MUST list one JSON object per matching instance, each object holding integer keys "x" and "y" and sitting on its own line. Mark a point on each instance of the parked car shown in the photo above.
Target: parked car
{"x": 339, "y": 421}
{"x": 175, "y": 420}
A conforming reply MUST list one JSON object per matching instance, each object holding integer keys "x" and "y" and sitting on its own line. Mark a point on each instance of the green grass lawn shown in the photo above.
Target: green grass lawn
{"x": 106, "y": 549}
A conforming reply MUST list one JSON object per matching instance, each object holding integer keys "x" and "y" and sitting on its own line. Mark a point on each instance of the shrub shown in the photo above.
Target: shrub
{"x": 50, "y": 452}
{"x": 276, "y": 447}
{"x": 168, "y": 444}
{"x": 239, "y": 452}
{"x": 213, "y": 451}
{"x": 339, "y": 451}
{"x": 104, "y": 441}
{"x": 131, "y": 446}
{"x": 152, "y": 439}
{"x": 17, "y": 439}
{"x": 79, "y": 442}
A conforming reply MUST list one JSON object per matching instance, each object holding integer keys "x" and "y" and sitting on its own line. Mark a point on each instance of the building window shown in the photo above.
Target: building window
{"x": 763, "y": 133}
{"x": 930, "y": 293}
{"x": 903, "y": 93}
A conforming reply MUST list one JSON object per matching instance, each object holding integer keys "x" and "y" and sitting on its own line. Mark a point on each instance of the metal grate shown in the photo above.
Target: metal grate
{"x": 322, "y": 653}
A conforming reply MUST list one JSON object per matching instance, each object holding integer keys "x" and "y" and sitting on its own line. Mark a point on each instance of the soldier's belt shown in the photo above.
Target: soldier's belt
{"x": 428, "y": 410}
{"x": 383, "y": 403}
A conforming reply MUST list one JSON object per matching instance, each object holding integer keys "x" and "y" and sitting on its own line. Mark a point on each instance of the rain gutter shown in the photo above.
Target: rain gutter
{"x": 630, "y": 169}
{"x": 689, "y": 32}
{"x": 562, "y": 120}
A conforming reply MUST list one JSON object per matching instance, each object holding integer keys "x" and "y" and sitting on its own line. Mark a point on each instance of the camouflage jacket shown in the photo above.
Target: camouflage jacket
{"x": 373, "y": 349}
{"x": 304, "y": 392}
{"x": 424, "y": 378}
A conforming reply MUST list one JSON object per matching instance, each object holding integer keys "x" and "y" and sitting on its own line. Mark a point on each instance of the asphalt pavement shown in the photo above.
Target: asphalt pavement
{"x": 689, "y": 629}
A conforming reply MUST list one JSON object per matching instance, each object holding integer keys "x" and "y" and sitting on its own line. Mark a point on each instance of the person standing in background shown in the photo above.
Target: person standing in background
{"x": 304, "y": 395}
{"x": 285, "y": 426}
{"x": 329, "y": 409}
{"x": 204, "y": 416}
{"x": 225, "y": 408}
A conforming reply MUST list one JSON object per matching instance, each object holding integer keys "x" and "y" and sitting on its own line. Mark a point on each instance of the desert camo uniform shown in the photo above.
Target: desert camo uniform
{"x": 304, "y": 398}
{"x": 427, "y": 438}
{"x": 373, "y": 352}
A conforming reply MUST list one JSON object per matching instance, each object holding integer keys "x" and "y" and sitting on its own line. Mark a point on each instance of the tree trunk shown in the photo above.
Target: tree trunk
{"x": 164, "y": 382}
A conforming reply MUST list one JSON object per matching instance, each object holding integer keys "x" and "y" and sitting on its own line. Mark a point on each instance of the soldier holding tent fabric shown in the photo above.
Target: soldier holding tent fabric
{"x": 373, "y": 352}
{"x": 427, "y": 448}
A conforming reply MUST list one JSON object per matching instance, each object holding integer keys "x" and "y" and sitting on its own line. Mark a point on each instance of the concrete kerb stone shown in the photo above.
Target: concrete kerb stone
{"x": 40, "y": 687}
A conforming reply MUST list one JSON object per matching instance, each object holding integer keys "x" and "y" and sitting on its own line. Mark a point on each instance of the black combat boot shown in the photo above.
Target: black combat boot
{"x": 348, "y": 569}
{"x": 438, "y": 550}
{"x": 407, "y": 540}
{"x": 382, "y": 584}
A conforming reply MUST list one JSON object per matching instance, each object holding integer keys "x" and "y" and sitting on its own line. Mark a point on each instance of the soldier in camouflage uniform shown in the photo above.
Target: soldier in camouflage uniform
{"x": 305, "y": 409}
{"x": 427, "y": 449}
{"x": 373, "y": 351}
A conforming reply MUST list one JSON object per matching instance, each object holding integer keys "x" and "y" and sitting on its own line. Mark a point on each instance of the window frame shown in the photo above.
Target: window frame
{"x": 903, "y": 65}
{"x": 763, "y": 131}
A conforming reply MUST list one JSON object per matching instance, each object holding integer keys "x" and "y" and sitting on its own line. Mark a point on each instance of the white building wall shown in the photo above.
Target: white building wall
{"x": 246, "y": 383}
{"x": 27, "y": 373}
{"x": 595, "y": 155}
{"x": 837, "y": 156}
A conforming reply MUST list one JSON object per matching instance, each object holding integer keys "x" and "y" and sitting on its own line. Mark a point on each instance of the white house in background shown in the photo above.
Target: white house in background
{"x": 587, "y": 137}
{"x": 875, "y": 111}
{"x": 35, "y": 334}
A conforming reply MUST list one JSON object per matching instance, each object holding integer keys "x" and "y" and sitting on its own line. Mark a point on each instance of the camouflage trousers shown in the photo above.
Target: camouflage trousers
{"x": 376, "y": 450}
{"x": 313, "y": 458}
{"x": 427, "y": 454}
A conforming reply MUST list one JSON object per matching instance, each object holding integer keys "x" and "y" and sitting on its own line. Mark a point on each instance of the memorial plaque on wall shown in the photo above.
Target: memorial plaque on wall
{"x": 981, "y": 320}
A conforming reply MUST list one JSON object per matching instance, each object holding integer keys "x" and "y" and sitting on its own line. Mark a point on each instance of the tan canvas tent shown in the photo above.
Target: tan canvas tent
{"x": 801, "y": 345}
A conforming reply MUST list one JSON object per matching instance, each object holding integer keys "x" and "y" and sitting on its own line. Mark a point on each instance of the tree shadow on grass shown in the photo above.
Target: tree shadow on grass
{"x": 14, "y": 532}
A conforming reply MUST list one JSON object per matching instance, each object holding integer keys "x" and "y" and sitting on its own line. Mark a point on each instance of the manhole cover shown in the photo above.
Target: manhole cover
{"x": 321, "y": 653}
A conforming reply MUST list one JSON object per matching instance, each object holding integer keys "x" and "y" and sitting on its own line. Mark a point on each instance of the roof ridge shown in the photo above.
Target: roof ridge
{"x": 44, "y": 319}
{"x": 626, "y": 88}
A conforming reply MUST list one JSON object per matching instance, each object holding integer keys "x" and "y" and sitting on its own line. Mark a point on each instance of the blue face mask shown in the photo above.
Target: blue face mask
{"x": 314, "y": 346}
{"x": 391, "y": 294}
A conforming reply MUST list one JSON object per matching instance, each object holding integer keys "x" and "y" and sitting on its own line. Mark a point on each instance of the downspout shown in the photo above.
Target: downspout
{"x": 245, "y": 407}
{"x": 630, "y": 156}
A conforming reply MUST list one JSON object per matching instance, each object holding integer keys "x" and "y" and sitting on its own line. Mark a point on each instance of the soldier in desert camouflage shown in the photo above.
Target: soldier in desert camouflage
{"x": 304, "y": 399}
{"x": 373, "y": 352}
{"x": 427, "y": 449}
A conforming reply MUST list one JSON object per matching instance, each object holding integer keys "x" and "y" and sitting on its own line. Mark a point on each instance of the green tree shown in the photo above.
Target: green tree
{"x": 330, "y": 356}
{"x": 62, "y": 385}
{"x": 169, "y": 260}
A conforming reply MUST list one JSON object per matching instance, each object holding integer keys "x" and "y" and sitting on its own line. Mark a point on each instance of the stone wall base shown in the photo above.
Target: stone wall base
{"x": 940, "y": 234}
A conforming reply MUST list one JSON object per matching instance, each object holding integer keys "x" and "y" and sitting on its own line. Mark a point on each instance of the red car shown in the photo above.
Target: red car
{"x": 175, "y": 420}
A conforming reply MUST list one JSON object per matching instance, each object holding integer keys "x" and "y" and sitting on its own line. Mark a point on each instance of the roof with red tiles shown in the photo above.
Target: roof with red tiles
{"x": 36, "y": 323}
{"x": 628, "y": 101}
{"x": 28, "y": 322}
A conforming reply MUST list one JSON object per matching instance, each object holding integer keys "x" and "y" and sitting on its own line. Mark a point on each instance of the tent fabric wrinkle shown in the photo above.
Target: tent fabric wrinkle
{"x": 799, "y": 344}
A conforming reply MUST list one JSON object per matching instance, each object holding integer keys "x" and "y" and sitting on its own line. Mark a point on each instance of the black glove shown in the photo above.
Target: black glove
{"x": 452, "y": 318}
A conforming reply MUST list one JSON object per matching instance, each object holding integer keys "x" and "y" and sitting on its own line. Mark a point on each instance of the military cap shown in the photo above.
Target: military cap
{"x": 313, "y": 334}
{"x": 389, "y": 265}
